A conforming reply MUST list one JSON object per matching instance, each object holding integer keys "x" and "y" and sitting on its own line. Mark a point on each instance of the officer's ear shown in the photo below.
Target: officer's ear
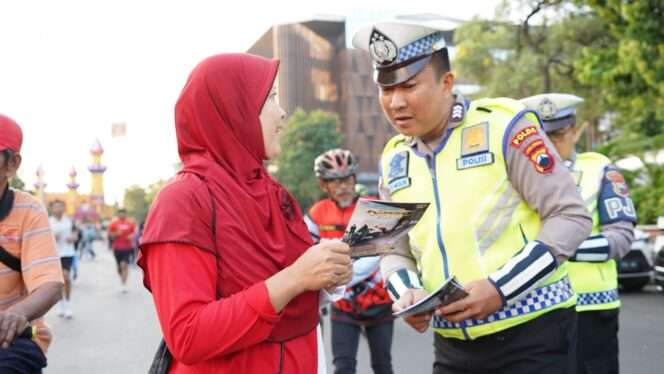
{"x": 448, "y": 81}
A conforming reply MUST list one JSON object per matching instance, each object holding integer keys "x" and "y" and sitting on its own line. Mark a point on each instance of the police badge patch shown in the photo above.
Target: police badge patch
{"x": 383, "y": 50}
{"x": 398, "y": 175}
{"x": 475, "y": 147}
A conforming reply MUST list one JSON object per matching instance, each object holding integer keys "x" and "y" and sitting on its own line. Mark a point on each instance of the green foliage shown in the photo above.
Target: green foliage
{"x": 136, "y": 203}
{"x": 627, "y": 67}
{"x": 16, "y": 183}
{"x": 517, "y": 60}
{"x": 307, "y": 136}
{"x": 137, "y": 200}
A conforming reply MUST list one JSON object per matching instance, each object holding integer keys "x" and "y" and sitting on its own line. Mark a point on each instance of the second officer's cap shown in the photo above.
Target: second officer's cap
{"x": 399, "y": 50}
{"x": 556, "y": 110}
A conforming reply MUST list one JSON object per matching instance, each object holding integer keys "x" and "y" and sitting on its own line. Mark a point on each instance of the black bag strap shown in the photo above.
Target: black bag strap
{"x": 8, "y": 259}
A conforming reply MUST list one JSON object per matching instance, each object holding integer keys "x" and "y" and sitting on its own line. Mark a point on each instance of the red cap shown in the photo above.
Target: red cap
{"x": 11, "y": 136}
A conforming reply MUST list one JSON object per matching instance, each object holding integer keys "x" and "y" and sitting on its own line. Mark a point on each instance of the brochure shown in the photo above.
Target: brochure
{"x": 449, "y": 292}
{"x": 376, "y": 225}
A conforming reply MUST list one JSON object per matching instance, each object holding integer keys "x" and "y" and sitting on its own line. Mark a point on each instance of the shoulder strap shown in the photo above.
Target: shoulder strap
{"x": 12, "y": 262}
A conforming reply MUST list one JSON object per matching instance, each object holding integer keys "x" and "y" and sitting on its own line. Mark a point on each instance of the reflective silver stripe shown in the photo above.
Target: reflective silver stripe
{"x": 659, "y": 268}
{"x": 596, "y": 242}
{"x": 491, "y": 218}
{"x": 536, "y": 300}
{"x": 591, "y": 257}
{"x": 504, "y": 222}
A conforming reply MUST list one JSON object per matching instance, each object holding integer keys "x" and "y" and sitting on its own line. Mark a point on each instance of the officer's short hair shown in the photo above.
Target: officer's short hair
{"x": 440, "y": 62}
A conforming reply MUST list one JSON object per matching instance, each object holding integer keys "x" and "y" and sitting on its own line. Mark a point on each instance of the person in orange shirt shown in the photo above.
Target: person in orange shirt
{"x": 30, "y": 274}
{"x": 122, "y": 230}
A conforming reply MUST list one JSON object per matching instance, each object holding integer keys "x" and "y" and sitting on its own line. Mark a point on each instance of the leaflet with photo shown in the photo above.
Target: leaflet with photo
{"x": 449, "y": 292}
{"x": 376, "y": 225}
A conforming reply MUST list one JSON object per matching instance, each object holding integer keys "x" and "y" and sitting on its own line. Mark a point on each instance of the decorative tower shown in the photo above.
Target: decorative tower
{"x": 97, "y": 170}
{"x": 72, "y": 195}
{"x": 40, "y": 185}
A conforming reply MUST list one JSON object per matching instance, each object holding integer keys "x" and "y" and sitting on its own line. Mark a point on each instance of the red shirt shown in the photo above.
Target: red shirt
{"x": 206, "y": 335}
{"x": 122, "y": 231}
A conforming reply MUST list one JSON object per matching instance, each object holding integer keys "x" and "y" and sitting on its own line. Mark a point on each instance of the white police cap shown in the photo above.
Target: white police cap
{"x": 399, "y": 50}
{"x": 556, "y": 110}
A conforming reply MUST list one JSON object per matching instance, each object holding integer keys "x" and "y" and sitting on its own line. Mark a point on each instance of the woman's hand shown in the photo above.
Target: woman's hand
{"x": 324, "y": 265}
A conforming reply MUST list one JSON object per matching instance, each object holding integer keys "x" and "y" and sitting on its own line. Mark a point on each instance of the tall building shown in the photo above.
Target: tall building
{"x": 320, "y": 71}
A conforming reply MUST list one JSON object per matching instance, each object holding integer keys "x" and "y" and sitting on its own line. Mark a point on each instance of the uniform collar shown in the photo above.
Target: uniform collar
{"x": 571, "y": 161}
{"x": 457, "y": 116}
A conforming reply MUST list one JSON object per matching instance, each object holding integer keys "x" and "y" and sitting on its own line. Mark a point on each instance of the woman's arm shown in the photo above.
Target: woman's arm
{"x": 196, "y": 326}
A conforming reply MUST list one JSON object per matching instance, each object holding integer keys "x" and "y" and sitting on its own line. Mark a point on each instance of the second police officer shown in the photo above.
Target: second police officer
{"x": 592, "y": 269}
{"x": 504, "y": 219}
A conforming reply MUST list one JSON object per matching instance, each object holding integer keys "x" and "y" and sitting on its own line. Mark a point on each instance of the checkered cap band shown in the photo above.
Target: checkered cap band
{"x": 595, "y": 298}
{"x": 538, "y": 299}
{"x": 420, "y": 47}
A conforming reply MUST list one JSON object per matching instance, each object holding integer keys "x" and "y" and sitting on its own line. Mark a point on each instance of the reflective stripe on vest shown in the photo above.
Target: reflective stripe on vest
{"x": 477, "y": 221}
{"x": 596, "y": 283}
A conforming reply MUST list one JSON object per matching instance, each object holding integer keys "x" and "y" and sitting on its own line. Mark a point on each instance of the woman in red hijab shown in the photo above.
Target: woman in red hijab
{"x": 225, "y": 251}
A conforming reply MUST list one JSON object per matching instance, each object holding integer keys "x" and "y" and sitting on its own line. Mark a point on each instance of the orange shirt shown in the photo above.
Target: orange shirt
{"x": 25, "y": 233}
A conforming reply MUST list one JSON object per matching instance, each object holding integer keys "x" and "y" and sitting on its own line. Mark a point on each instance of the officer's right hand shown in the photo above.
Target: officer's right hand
{"x": 419, "y": 322}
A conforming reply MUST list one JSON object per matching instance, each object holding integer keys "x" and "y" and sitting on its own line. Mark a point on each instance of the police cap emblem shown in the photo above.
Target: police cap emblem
{"x": 383, "y": 50}
{"x": 547, "y": 108}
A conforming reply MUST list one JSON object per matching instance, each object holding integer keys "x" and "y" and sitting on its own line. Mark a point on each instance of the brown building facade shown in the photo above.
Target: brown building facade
{"x": 318, "y": 72}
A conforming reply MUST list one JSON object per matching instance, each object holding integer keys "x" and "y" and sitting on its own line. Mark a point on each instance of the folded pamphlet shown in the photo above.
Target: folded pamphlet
{"x": 448, "y": 292}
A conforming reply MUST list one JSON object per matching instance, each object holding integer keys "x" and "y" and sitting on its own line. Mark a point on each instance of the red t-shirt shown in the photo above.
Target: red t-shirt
{"x": 122, "y": 231}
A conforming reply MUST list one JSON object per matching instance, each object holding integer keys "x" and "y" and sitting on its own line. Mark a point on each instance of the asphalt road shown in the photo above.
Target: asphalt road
{"x": 113, "y": 332}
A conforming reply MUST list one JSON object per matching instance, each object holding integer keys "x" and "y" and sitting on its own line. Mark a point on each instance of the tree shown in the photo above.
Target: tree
{"x": 627, "y": 69}
{"x": 135, "y": 203}
{"x": 16, "y": 183}
{"x": 307, "y": 136}
{"x": 532, "y": 56}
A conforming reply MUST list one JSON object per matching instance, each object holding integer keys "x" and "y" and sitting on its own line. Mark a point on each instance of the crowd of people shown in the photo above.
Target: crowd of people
{"x": 529, "y": 227}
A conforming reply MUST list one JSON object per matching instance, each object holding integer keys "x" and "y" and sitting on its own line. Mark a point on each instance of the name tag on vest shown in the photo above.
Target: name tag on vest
{"x": 480, "y": 159}
{"x": 398, "y": 184}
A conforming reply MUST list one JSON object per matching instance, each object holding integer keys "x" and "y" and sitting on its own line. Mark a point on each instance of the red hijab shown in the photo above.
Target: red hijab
{"x": 259, "y": 226}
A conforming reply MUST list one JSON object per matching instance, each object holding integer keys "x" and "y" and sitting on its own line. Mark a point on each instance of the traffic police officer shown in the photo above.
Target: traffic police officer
{"x": 592, "y": 269}
{"x": 505, "y": 214}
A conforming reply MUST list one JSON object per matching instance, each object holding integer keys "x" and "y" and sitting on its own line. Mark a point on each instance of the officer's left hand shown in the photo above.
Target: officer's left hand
{"x": 483, "y": 299}
{"x": 11, "y": 326}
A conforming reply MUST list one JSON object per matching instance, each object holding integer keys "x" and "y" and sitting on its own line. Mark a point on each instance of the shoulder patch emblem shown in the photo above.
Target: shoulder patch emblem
{"x": 520, "y": 137}
{"x": 475, "y": 139}
{"x": 618, "y": 182}
{"x": 540, "y": 157}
